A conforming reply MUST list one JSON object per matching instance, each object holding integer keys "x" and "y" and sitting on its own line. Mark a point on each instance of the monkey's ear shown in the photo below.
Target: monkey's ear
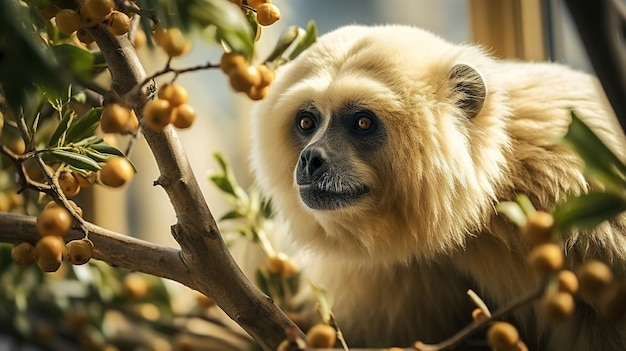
{"x": 468, "y": 89}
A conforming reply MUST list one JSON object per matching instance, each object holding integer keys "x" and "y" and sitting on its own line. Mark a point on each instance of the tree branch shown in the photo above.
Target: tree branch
{"x": 204, "y": 262}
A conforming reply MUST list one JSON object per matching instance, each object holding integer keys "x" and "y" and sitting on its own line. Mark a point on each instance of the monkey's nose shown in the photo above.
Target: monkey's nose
{"x": 311, "y": 163}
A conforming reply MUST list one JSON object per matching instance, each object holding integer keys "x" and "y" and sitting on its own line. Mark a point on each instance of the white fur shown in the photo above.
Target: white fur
{"x": 398, "y": 263}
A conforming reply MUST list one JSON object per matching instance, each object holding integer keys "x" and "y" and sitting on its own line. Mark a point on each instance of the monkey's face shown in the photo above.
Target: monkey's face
{"x": 331, "y": 171}
{"x": 365, "y": 144}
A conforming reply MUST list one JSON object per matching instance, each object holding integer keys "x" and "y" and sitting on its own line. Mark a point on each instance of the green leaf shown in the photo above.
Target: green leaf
{"x": 588, "y": 210}
{"x": 84, "y": 126}
{"x": 76, "y": 160}
{"x": 223, "y": 184}
{"x": 79, "y": 61}
{"x": 600, "y": 161}
{"x": 513, "y": 211}
{"x": 105, "y": 148}
{"x": 95, "y": 155}
{"x": 231, "y": 24}
{"x": 284, "y": 42}
{"x": 307, "y": 40}
{"x": 61, "y": 128}
{"x": 234, "y": 214}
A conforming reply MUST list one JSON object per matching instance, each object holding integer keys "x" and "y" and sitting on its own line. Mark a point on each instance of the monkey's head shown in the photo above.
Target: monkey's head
{"x": 382, "y": 144}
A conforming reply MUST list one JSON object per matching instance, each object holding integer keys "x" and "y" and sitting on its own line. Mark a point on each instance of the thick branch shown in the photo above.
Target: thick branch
{"x": 204, "y": 255}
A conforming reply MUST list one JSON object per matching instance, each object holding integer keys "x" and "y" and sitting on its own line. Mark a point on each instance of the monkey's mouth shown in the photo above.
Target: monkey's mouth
{"x": 320, "y": 198}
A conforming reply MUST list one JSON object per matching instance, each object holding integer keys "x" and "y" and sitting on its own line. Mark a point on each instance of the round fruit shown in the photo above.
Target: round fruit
{"x": 68, "y": 183}
{"x": 546, "y": 259}
{"x": 184, "y": 116}
{"x": 14, "y": 143}
{"x": 174, "y": 42}
{"x": 84, "y": 36}
{"x": 267, "y": 14}
{"x": 68, "y": 21}
{"x": 539, "y": 228}
{"x": 257, "y": 92}
{"x": 280, "y": 264}
{"x": 49, "y": 251}
{"x": 204, "y": 301}
{"x": 478, "y": 314}
{"x": 157, "y": 114}
{"x": 140, "y": 39}
{"x": 256, "y": 3}
{"x": 115, "y": 118}
{"x": 95, "y": 11}
{"x": 593, "y": 277}
{"x": 242, "y": 79}
{"x": 32, "y": 170}
{"x": 267, "y": 75}
{"x": 5, "y": 202}
{"x": 568, "y": 282}
{"x": 78, "y": 210}
{"x": 79, "y": 251}
{"x": 558, "y": 306}
{"x": 85, "y": 180}
{"x": 321, "y": 336}
{"x": 502, "y": 336}
{"x": 136, "y": 286}
{"x": 116, "y": 172}
{"x": 23, "y": 254}
{"x": 118, "y": 23}
{"x": 54, "y": 221}
{"x": 174, "y": 93}
{"x": 231, "y": 61}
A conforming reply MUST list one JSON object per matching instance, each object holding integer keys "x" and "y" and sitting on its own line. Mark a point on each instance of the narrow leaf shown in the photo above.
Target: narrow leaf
{"x": 84, "y": 126}
{"x": 95, "y": 155}
{"x": 309, "y": 38}
{"x": 76, "y": 160}
{"x": 107, "y": 149}
{"x": 599, "y": 159}
{"x": 61, "y": 128}
{"x": 234, "y": 214}
{"x": 284, "y": 42}
{"x": 588, "y": 210}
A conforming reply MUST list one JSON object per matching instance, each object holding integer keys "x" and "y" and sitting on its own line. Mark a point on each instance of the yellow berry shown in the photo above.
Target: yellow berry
{"x": 95, "y": 11}
{"x": 184, "y": 116}
{"x": 267, "y": 75}
{"x": 256, "y": 3}
{"x": 84, "y": 36}
{"x": 54, "y": 221}
{"x": 257, "y": 92}
{"x": 244, "y": 78}
{"x": 593, "y": 277}
{"x": 502, "y": 336}
{"x": 568, "y": 282}
{"x": 32, "y": 170}
{"x": 68, "y": 183}
{"x": 546, "y": 259}
{"x": 478, "y": 314}
{"x": 49, "y": 251}
{"x": 23, "y": 254}
{"x": 118, "y": 23}
{"x": 231, "y": 60}
{"x": 157, "y": 114}
{"x": 68, "y": 21}
{"x": 85, "y": 180}
{"x": 79, "y": 251}
{"x": 267, "y": 14}
{"x": 116, "y": 172}
{"x": 116, "y": 118}
{"x": 558, "y": 306}
{"x": 539, "y": 228}
{"x": 174, "y": 93}
{"x": 280, "y": 264}
{"x": 174, "y": 42}
{"x": 136, "y": 286}
{"x": 321, "y": 336}
{"x": 140, "y": 39}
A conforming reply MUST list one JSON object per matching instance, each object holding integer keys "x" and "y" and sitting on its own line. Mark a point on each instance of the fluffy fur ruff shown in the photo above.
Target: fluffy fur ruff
{"x": 399, "y": 261}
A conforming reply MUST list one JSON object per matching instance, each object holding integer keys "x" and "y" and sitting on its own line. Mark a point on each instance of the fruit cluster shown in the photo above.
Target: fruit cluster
{"x": 87, "y": 14}
{"x": 169, "y": 107}
{"x": 53, "y": 223}
{"x": 252, "y": 80}
{"x": 266, "y": 12}
{"x": 589, "y": 281}
{"x": 171, "y": 40}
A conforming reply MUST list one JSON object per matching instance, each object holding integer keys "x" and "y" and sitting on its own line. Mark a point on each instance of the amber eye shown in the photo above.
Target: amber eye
{"x": 306, "y": 123}
{"x": 363, "y": 123}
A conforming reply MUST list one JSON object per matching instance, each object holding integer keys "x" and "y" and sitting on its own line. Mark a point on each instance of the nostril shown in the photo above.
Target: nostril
{"x": 311, "y": 162}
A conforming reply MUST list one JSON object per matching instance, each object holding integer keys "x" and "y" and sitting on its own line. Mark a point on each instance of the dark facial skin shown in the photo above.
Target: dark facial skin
{"x": 326, "y": 173}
